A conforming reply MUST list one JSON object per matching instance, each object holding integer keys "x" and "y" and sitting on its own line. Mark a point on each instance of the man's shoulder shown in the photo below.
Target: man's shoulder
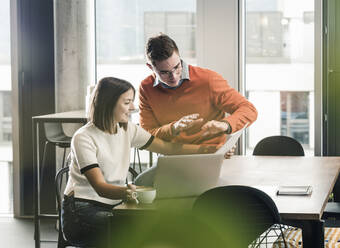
{"x": 201, "y": 73}
{"x": 148, "y": 81}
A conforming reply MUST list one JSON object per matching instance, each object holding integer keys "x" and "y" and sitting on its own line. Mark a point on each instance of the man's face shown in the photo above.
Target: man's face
{"x": 169, "y": 70}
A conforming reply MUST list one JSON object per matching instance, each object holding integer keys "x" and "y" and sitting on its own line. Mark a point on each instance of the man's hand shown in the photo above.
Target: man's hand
{"x": 186, "y": 122}
{"x": 214, "y": 127}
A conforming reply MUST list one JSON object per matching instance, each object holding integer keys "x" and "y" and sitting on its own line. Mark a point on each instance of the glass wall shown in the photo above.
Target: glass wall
{"x": 123, "y": 27}
{"x": 6, "y": 171}
{"x": 279, "y": 70}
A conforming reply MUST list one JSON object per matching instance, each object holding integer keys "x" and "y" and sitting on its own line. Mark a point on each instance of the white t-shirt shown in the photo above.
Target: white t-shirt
{"x": 91, "y": 147}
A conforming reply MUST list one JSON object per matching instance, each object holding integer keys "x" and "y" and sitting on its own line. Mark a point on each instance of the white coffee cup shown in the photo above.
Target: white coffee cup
{"x": 146, "y": 195}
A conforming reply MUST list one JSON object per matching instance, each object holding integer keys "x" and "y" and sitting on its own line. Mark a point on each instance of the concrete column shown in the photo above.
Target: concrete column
{"x": 74, "y": 22}
{"x": 218, "y": 38}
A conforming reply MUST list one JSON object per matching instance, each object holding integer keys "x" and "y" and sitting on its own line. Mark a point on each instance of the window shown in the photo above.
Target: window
{"x": 6, "y": 171}
{"x": 295, "y": 115}
{"x": 279, "y": 69}
{"x": 123, "y": 28}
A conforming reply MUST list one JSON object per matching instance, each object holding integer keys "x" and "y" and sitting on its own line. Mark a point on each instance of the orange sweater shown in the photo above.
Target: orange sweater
{"x": 206, "y": 93}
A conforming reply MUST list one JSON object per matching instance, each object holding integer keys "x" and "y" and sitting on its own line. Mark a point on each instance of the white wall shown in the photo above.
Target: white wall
{"x": 217, "y": 37}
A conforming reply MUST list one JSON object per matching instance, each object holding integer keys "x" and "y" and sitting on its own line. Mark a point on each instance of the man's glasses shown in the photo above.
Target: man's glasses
{"x": 175, "y": 70}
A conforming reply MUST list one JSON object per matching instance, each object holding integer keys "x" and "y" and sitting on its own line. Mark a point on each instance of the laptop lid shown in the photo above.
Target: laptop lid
{"x": 186, "y": 175}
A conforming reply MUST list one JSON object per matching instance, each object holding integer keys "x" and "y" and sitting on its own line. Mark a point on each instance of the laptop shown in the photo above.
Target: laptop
{"x": 186, "y": 175}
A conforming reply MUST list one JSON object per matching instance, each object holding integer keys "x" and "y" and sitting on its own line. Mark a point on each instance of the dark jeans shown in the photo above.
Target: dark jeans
{"x": 84, "y": 223}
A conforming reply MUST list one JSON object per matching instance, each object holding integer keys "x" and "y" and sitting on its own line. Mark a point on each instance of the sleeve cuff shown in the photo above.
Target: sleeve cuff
{"x": 229, "y": 130}
{"x": 147, "y": 143}
{"x": 88, "y": 167}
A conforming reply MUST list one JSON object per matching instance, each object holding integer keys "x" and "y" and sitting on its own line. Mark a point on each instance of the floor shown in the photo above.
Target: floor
{"x": 19, "y": 233}
{"x": 6, "y": 188}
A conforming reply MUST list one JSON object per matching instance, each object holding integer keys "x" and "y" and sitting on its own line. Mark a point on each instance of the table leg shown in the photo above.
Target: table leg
{"x": 35, "y": 132}
{"x": 150, "y": 159}
{"x": 313, "y": 232}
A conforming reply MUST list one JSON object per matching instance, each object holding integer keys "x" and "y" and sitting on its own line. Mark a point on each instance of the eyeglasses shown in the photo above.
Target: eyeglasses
{"x": 175, "y": 70}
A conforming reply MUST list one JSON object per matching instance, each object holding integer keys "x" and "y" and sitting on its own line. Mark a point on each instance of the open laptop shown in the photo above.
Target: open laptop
{"x": 186, "y": 175}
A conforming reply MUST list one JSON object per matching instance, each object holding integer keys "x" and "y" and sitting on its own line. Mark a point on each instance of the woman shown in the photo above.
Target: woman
{"x": 100, "y": 153}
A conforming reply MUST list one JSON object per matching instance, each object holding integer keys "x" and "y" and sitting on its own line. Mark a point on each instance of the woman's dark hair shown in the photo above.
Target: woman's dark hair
{"x": 160, "y": 47}
{"x": 104, "y": 100}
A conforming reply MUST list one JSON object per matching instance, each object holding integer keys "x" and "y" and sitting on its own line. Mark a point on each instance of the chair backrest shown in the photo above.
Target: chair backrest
{"x": 132, "y": 176}
{"x": 62, "y": 242}
{"x": 239, "y": 214}
{"x": 53, "y": 129}
{"x": 278, "y": 146}
{"x": 58, "y": 185}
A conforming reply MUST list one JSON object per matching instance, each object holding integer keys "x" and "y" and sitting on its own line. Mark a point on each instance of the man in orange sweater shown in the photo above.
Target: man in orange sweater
{"x": 188, "y": 104}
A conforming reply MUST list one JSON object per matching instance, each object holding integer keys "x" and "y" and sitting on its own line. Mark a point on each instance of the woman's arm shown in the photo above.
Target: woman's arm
{"x": 167, "y": 148}
{"x": 103, "y": 189}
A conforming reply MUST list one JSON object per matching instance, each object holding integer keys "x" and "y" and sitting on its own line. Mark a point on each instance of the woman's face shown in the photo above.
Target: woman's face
{"x": 124, "y": 106}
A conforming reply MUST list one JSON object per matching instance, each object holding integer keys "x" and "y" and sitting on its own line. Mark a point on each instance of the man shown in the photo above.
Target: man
{"x": 188, "y": 104}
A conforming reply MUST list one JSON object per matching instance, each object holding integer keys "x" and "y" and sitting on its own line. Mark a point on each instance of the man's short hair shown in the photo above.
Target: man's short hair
{"x": 160, "y": 47}
{"x": 104, "y": 100}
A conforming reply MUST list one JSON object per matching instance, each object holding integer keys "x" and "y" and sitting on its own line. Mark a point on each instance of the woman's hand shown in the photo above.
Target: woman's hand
{"x": 203, "y": 149}
{"x": 230, "y": 153}
{"x": 131, "y": 194}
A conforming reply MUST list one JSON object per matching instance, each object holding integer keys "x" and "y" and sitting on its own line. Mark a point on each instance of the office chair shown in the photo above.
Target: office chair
{"x": 136, "y": 152}
{"x": 281, "y": 146}
{"x": 278, "y": 146}
{"x": 55, "y": 135}
{"x": 133, "y": 175}
{"x": 331, "y": 214}
{"x": 62, "y": 241}
{"x": 243, "y": 216}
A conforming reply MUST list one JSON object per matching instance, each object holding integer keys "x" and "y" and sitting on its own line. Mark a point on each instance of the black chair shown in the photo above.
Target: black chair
{"x": 133, "y": 175}
{"x": 62, "y": 241}
{"x": 331, "y": 214}
{"x": 278, "y": 146}
{"x": 54, "y": 135}
{"x": 136, "y": 152}
{"x": 241, "y": 215}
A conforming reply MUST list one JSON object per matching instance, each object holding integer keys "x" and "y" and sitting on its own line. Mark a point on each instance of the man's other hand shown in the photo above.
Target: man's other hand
{"x": 214, "y": 127}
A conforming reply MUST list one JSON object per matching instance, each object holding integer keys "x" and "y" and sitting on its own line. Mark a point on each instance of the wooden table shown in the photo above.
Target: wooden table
{"x": 269, "y": 172}
{"x": 38, "y": 121}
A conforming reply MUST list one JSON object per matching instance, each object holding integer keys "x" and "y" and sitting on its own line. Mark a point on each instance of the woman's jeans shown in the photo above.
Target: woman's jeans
{"x": 85, "y": 223}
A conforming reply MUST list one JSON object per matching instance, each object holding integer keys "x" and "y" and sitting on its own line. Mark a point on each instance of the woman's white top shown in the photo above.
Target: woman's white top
{"x": 91, "y": 147}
